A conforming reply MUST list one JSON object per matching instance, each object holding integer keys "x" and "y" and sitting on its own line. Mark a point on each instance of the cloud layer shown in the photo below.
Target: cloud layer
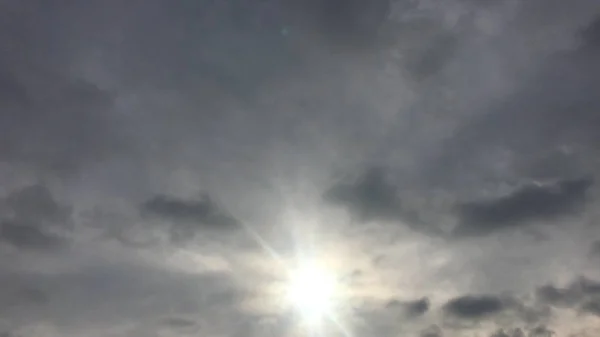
{"x": 163, "y": 163}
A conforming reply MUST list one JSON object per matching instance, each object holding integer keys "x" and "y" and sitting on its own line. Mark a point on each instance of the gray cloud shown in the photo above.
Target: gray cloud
{"x": 474, "y": 307}
{"x": 539, "y": 331}
{"x": 582, "y": 294}
{"x": 445, "y": 103}
{"x": 54, "y": 121}
{"x": 371, "y": 196}
{"x": 591, "y": 33}
{"x": 594, "y": 250}
{"x": 33, "y": 219}
{"x": 35, "y": 203}
{"x": 550, "y": 110}
{"x": 179, "y": 322}
{"x": 27, "y": 236}
{"x": 418, "y": 307}
{"x": 503, "y": 333}
{"x": 204, "y": 210}
{"x": 374, "y": 197}
{"x": 412, "y": 309}
{"x": 433, "y": 331}
{"x": 347, "y": 23}
{"x": 189, "y": 216}
{"x": 531, "y": 202}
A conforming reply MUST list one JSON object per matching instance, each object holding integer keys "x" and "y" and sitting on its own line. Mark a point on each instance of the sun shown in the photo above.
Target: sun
{"x": 311, "y": 290}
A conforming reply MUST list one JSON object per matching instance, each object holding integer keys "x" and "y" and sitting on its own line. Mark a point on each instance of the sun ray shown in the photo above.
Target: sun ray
{"x": 311, "y": 288}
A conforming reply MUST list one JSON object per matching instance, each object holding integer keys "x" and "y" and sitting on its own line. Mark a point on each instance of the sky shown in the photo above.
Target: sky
{"x": 164, "y": 164}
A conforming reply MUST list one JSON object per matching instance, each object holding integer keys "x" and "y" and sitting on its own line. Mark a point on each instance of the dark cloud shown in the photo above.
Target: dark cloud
{"x": 17, "y": 293}
{"x": 541, "y": 331}
{"x": 349, "y": 23}
{"x": 550, "y": 108}
{"x": 258, "y": 102}
{"x": 373, "y": 196}
{"x": 474, "y": 307}
{"x": 33, "y": 219}
{"x": 515, "y": 332}
{"x": 52, "y": 120}
{"x": 591, "y": 34}
{"x": 500, "y": 333}
{"x": 370, "y": 197}
{"x": 189, "y": 216}
{"x": 418, "y": 307}
{"x": 591, "y": 307}
{"x": 531, "y": 202}
{"x": 27, "y": 236}
{"x": 557, "y": 296}
{"x": 582, "y": 294}
{"x": 432, "y": 59}
{"x": 57, "y": 129}
{"x": 413, "y": 309}
{"x": 35, "y": 203}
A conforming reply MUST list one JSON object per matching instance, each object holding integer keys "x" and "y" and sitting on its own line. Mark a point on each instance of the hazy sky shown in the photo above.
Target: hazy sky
{"x": 162, "y": 162}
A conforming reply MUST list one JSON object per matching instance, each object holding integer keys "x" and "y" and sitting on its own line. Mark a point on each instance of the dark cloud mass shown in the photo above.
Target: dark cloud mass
{"x": 373, "y": 196}
{"x": 545, "y": 202}
{"x": 582, "y": 294}
{"x": 591, "y": 34}
{"x": 418, "y": 307}
{"x": 166, "y": 165}
{"x": 412, "y": 309}
{"x": 189, "y": 216}
{"x": 33, "y": 219}
{"x": 474, "y": 307}
{"x": 370, "y": 196}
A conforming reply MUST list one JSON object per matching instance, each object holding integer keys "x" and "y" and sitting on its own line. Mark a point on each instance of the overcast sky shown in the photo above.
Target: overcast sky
{"x": 162, "y": 161}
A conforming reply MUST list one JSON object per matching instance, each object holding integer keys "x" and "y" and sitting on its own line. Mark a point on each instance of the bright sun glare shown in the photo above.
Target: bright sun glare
{"x": 311, "y": 290}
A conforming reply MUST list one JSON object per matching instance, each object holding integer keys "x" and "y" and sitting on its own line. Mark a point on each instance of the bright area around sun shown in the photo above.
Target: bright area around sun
{"x": 311, "y": 290}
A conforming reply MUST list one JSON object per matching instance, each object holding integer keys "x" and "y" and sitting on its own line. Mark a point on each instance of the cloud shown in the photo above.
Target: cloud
{"x": 435, "y": 56}
{"x": 549, "y": 109}
{"x": 189, "y": 216}
{"x": 35, "y": 203}
{"x": 433, "y": 331}
{"x": 503, "y": 333}
{"x": 411, "y": 309}
{"x": 418, "y": 307}
{"x": 51, "y": 121}
{"x": 370, "y": 197}
{"x": 528, "y": 203}
{"x": 594, "y": 250}
{"x": 129, "y": 108}
{"x": 373, "y": 197}
{"x": 179, "y": 322}
{"x": 539, "y": 331}
{"x": 33, "y": 219}
{"x": 591, "y": 34}
{"x": 474, "y": 307}
{"x": 108, "y": 289}
{"x": 349, "y": 23}
{"x": 24, "y": 236}
{"x": 582, "y": 295}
